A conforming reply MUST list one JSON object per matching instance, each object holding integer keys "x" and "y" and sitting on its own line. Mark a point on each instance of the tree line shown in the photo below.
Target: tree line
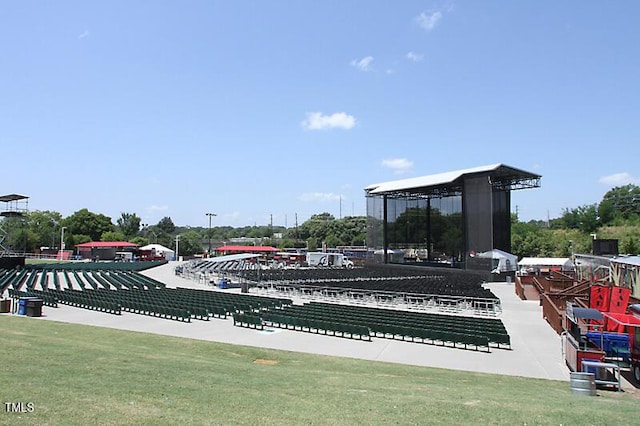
{"x": 617, "y": 216}
{"x": 38, "y": 230}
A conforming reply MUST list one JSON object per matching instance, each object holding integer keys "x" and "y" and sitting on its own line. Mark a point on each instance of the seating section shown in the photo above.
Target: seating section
{"x": 431, "y": 281}
{"x": 453, "y": 330}
{"x": 113, "y": 291}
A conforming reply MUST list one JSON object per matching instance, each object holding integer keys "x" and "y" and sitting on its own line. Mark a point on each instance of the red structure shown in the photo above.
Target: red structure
{"x": 224, "y": 250}
{"x": 103, "y": 250}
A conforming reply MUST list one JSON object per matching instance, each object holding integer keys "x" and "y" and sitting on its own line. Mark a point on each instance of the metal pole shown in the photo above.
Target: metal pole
{"x": 209, "y": 234}
{"x": 62, "y": 243}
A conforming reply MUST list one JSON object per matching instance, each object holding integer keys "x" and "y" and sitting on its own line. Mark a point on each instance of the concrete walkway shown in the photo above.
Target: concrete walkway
{"x": 536, "y": 348}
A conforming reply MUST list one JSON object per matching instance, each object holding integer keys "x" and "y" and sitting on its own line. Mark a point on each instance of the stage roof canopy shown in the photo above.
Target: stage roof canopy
{"x": 12, "y": 197}
{"x": 451, "y": 183}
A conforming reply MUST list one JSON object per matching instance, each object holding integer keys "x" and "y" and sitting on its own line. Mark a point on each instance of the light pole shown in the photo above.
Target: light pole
{"x": 209, "y": 234}
{"x": 62, "y": 242}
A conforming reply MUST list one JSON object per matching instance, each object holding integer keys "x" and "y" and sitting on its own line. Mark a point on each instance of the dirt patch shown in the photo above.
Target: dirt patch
{"x": 261, "y": 361}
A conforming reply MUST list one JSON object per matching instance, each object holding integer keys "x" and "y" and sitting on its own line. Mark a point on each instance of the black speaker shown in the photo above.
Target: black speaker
{"x": 605, "y": 247}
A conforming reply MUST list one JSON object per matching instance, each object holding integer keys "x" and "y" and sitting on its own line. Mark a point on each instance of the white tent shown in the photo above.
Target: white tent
{"x": 160, "y": 250}
{"x": 529, "y": 264}
{"x": 501, "y": 260}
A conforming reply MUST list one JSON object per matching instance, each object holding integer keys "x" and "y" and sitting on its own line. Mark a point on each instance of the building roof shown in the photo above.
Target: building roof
{"x": 449, "y": 183}
{"x": 544, "y": 261}
{"x": 498, "y": 254}
{"x": 231, "y": 257}
{"x": 157, "y": 247}
{"x": 106, "y": 244}
{"x": 247, "y": 249}
{"x": 627, "y": 260}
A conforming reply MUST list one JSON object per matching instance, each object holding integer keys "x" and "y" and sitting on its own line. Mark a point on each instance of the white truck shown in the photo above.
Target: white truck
{"x": 331, "y": 260}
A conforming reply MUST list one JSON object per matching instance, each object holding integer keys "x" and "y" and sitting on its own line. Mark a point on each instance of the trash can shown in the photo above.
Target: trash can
{"x": 222, "y": 283}
{"x": 22, "y": 306}
{"x": 5, "y": 306}
{"x": 34, "y": 307}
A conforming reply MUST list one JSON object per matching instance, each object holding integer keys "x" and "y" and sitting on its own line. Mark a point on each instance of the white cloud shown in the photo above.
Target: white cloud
{"x": 415, "y": 57}
{"x": 337, "y": 120}
{"x": 363, "y": 64}
{"x": 429, "y": 20}
{"x": 398, "y": 165}
{"x": 319, "y": 196}
{"x": 156, "y": 208}
{"x": 619, "y": 179}
{"x": 230, "y": 216}
{"x": 84, "y": 34}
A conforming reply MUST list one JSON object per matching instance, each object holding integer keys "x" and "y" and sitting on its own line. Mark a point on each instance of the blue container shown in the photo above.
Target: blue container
{"x": 614, "y": 344}
{"x": 22, "y": 306}
{"x": 222, "y": 283}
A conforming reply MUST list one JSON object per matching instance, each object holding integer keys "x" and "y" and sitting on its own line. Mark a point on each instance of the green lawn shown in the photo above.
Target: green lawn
{"x": 75, "y": 374}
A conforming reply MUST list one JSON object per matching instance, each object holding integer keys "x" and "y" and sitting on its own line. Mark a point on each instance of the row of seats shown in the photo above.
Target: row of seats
{"x": 88, "y": 266}
{"x": 379, "y": 320}
{"x": 407, "y": 280}
{"x": 316, "y": 325}
{"x": 94, "y": 278}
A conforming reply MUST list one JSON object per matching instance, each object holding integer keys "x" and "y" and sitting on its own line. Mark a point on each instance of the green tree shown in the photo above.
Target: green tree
{"x": 584, "y": 218}
{"x": 87, "y": 223}
{"x": 312, "y": 244}
{"x": 129, "y": 224}
{"x": 630, "y": 246}
{"x": 190, "y": 243}
{"x": 620, "y": 203}
{"x": 166, "y": 225}
{"x": 141, "y": 241}
{"x": 72, "y": 239}
{"x": 46, "y": 227}
{"x": 113, "y": 236}
{"x": 19, "y": 236}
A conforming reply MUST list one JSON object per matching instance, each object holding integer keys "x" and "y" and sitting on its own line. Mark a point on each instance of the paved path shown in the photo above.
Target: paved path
{"x": 536, "y": 349}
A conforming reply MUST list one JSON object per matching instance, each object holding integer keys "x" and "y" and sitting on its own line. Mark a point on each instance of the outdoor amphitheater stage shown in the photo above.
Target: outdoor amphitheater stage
{"x": 535, "y": 348}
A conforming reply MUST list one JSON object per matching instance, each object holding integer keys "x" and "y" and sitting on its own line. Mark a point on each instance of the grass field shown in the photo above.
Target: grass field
{"x": 76, "y": 374}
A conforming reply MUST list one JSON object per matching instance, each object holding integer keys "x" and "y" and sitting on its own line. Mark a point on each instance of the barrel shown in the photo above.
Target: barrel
{"x": 583, "y": 383}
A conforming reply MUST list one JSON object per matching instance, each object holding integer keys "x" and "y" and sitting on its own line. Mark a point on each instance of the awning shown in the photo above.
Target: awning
{"x": 587, "y": 313}
{"x": 231, "y": 257}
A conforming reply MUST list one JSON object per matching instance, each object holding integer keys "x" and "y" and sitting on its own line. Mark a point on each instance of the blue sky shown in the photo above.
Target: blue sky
{"x": 266, "y": 111}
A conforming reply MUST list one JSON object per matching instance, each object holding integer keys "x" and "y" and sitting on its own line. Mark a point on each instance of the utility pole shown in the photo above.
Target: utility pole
{"x": 209, "y": 234}
{"x": 177, "y": 247}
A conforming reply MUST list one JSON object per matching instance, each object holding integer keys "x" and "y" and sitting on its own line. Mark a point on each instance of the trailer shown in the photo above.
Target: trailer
{"x": 627, "y": 325}
{"x": 577, "y": 345}
{"x": 331, "y": 260}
